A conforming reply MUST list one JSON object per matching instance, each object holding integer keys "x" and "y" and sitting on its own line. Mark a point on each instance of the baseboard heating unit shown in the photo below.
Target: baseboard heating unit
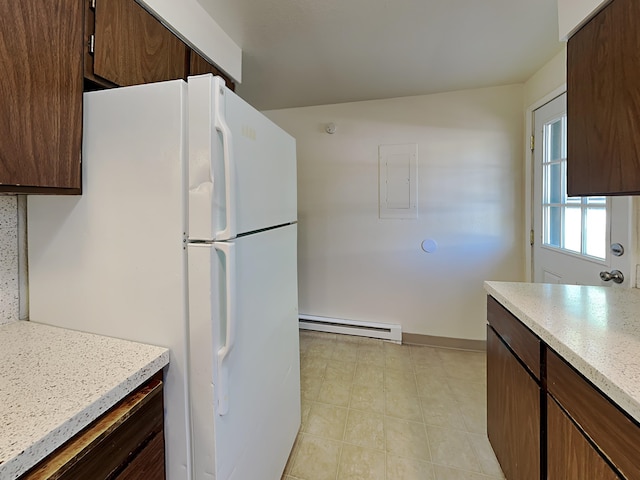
{"x": 385, "y": 331}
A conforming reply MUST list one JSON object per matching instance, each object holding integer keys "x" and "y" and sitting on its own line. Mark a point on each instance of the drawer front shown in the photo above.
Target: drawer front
{"x": 111, "y": 442}
{"x": 520, "y": 339}
{"x": 615, "y": 433}
{"x": 149, "y": 464}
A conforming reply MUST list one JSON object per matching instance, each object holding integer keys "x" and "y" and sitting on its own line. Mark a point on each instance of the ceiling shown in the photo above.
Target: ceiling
{"x": 313, "y": 52}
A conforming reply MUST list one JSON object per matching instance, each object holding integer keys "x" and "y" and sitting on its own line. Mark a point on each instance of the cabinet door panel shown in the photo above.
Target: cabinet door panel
{"x": 612, "y": 430}
{"x": 570, "y": 456}
{"x": 41, "y": 94}
{"x": 513, "y": 412}
{"x": 132, "y": 47}
{"x": 603, "y": 103}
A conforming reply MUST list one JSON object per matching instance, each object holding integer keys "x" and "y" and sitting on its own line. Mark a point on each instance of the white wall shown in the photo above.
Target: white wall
{"x": 354, "y": 265}
{"x": 572, "y": 14}
{"x": 194, "y": 25}
{"x": 549, "y": 78}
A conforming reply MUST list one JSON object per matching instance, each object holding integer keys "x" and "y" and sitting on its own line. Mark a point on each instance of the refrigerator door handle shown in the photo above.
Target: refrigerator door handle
{"x": 221, "y": 126}
{"x": 222, "y": 390}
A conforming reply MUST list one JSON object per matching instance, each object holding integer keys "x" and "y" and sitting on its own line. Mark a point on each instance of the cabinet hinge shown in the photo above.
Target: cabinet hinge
{"x": 531, "y": 241}
{"x": 92, "y": 44}
{"x": 92, "y": 4}
{"x": 532, "y": 142}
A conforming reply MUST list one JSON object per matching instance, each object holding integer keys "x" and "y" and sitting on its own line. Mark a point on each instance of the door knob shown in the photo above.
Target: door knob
{"x": 615, "y": 275}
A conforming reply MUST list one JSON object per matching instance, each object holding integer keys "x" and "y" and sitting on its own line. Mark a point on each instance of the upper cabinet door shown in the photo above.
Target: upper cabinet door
{"x": 132, "y": 47}
{"x": 41, "y": 96}
{"x": 198, "y": 65}
{"x": 603, "y": 103}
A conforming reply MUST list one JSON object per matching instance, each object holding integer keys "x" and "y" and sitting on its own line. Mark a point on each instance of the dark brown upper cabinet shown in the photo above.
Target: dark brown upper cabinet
{"x": 132, "y": 47}
{"x": 603, "y": 103}
{"x": 199, "y": 65}
{"x": 41, "y": 96}
{"x": 49, "y": 54}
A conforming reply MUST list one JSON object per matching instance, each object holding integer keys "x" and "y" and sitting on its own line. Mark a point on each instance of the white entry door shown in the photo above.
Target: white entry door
{"x": 576, "y": 240}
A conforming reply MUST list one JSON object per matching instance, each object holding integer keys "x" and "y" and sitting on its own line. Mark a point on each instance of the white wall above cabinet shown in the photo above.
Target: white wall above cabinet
{"x": 572, "y": 14}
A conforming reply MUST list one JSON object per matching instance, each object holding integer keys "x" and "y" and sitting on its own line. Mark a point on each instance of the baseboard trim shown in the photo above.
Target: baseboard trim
{"x": 384, "y": 331}
{"x": 444, "y": 342}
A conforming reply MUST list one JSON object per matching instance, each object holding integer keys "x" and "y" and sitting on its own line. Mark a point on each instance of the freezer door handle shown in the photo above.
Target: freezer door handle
{"x": 221, "y": 126}
{"x": 228, "y": 249}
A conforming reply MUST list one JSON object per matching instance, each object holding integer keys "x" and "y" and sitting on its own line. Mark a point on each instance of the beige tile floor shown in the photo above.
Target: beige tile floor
{"x": 374, "y": 410}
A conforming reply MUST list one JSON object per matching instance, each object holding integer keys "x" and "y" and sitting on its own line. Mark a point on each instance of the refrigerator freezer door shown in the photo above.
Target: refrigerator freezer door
{"x": 255, "y": 436}
{"x": 242, "y": 167}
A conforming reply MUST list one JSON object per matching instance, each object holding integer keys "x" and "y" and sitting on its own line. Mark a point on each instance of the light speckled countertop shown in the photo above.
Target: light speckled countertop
{"x": 54, "y": 382}
{"x": 596, "y": 329}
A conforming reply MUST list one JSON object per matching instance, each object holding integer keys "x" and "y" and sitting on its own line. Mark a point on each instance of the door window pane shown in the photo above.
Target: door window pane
{"x": 553, "y": 183}
{"x": 573, "y": 229}
{"x": 556, "y": 139}
{"x": 595, "y": 223}
{"x": 552, "y": 226}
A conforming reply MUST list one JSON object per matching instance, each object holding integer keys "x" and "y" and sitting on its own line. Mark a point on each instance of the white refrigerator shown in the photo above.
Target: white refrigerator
{"x": 185, "y": 236}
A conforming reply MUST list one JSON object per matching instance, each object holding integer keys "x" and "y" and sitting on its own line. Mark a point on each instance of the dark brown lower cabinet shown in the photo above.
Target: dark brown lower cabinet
{"x": 613, "y": 431}
{"x": 570, "y": 456}
{"x": 551, "y": 423}
{"x": 513, "y": 412}
{"x": 125, "y": 443}
{"x": 149, "y": 463}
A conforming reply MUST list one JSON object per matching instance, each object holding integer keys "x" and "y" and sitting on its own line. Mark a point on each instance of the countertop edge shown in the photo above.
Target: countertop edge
{"x": 30, "y": 457}
{"x": 615, "y": 392}
{"x": 40, "y": 449}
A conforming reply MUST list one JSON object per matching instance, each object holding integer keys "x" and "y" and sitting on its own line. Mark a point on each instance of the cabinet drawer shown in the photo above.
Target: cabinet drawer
{"x": 111, "y": 443}
{"x": 615, "y": 433}
{"x": 524, "y": 343}
{"x": 149, "y": 464}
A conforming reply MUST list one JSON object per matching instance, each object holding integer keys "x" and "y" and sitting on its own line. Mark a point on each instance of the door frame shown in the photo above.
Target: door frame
{"x": 528, "y": 174}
